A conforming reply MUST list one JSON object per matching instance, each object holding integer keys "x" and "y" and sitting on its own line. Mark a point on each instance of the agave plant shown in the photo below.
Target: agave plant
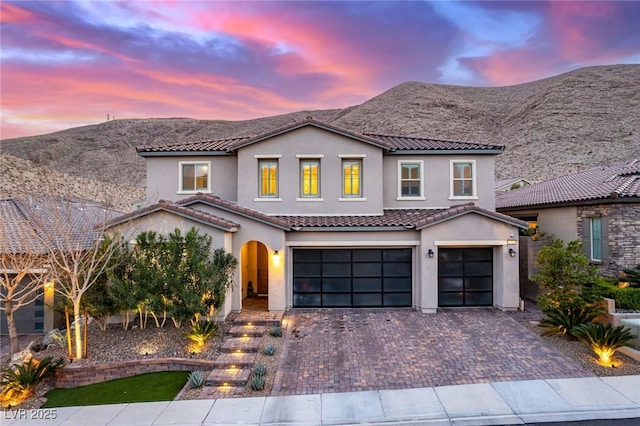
{"x": 201, "y": 331}
{"x": 604, "y": 340}
{"x": 561, "y": 322}
{"x": 260, "y": 370}
{"x": 269, "y": 350}
{"x": 196, "y": 379}
{"x": 276, "y": 331}
{"x": 21, "y": 379}
{"x": 257, "y": 382}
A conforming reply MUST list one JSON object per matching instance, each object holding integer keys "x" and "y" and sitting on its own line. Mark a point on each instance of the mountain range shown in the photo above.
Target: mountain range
{"x": 549, "y": 127}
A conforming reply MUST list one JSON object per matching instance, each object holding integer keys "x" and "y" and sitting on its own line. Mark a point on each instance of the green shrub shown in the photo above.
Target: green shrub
{"x": 257, "y": 383}
{"x": 561, "y": 321}
{"x": 201, "y": 331}
{"x": 632, "y": 276}
{"x": 260, "y": 370}
{"x": 604, "y": 340}
{"x": 276, "y": 331}
{"x": 23, "y": 378}
{"x": 195, "y": 379}
{"x": 269, "y": 350}
{"x": 626, "y": 298}
{"x": 54, "y": 337}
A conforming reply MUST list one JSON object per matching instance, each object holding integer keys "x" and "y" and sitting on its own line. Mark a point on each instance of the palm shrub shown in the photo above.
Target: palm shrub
{"x": 604, "y": 340}
{"x": 201, "y": 331}
{"x": 562, "y": 321}
{"x": 20, "y": 380}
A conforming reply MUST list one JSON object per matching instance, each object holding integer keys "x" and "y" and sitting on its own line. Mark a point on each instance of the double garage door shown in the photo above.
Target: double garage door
{"x": 352, "y": 277}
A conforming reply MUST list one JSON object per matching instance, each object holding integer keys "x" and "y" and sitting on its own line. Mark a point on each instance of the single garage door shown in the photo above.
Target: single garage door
{"x": 352, "y": 277}
{"x": 465, "y": 276}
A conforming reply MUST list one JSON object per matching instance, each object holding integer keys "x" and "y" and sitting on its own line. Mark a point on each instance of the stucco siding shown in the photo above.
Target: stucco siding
{"x": 437, "y": 181}
{"x": 163, "y": 177}
{"x": 327, "y": 147}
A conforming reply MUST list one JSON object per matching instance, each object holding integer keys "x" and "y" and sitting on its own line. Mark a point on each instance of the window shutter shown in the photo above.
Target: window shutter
{"x": 605, "y": 238}
{"x": 586, "y": 237}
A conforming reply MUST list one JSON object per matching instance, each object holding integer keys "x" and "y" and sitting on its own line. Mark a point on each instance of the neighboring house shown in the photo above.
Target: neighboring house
{"x": 599, "y": 206}
{"x": 24, "y": 218}
{"x": 319, "y": 216}
{"x": 510, "y": 184}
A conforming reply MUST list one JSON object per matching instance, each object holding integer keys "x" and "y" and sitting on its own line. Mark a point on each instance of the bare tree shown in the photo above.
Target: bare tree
{"x": 21, "y": 266}
{"x": 78, "y": 253}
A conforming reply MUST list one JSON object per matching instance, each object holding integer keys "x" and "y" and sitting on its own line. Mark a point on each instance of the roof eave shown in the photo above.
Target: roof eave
{"x": 239, "y": 213}
{"x": 511, "y": 221}
{"x": 573, "y": 203}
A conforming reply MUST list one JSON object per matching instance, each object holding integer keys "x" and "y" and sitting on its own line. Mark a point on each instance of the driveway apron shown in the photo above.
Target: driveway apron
{"x": 345, "y": 350}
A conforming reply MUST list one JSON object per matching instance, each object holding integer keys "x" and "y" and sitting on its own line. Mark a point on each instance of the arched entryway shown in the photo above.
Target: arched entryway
{"x": 254, "y": 275}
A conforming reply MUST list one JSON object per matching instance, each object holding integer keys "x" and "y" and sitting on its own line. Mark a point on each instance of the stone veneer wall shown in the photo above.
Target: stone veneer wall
{"x": 79, "y": 375}
{"x": 624, "y": 234}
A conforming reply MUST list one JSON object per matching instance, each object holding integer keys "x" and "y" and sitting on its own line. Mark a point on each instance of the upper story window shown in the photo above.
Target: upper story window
{"x": 268, "y": 170}
{"x": 410, "y": 180}
{"x": 352, "y": 178}
{"x": 310, "y": 178}
{"x": 195, "y": 177}
{"x": 463, "y": 179}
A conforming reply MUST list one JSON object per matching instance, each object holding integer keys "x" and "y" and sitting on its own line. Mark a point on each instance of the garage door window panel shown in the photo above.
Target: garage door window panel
{"x": 307, "y": 300}
{"x": 336, "y": 269}
{"x": 307, "y": 269}
{"x": 397, "y": 284}
{"x": 367, "y": 285}
{"x": 479, "y": 283}
{"x": 307, "y": 285}
{"x": 451, "y": 284}
{"x": 396, "y": 299}
{"x": 367, "y": 269}
{"x": 336, "y": 255}
{"x": 367, "y": 255}
{"x": 367, "y": 299}
{"x": 336, "y": 285}
{"x": 336, "y": 299}
{"x": 478, "y": 268}
{"x": 478, "y": 299}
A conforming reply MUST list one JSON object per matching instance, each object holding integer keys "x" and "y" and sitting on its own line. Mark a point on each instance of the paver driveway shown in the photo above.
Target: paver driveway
{"x": 343, "y": 350}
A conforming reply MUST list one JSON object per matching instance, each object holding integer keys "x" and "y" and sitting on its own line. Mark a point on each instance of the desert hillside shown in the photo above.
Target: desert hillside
{"x": 549, "y": 127}
{"x": 21, "y": 177}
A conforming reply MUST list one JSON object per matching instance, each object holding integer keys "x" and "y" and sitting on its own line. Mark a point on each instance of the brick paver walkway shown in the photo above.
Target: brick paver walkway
{"x": 344, "y": 350}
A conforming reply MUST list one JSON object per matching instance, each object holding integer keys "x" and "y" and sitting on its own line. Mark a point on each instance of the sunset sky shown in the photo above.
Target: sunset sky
{"x": 70, "y": 63}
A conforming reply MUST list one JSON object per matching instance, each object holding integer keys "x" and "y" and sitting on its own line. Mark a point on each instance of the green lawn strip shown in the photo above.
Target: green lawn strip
{"x": 143, "y": 388}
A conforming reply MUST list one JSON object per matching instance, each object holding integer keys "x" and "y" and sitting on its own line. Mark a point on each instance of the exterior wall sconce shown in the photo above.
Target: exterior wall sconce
{"x": 276, "y": 258}
{"x": 512, "y": 252}
{"x": 430, "y": 254}
{"x": 48, "y": 286}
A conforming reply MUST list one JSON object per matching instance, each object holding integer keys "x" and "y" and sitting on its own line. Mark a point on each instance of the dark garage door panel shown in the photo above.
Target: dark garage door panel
{"x": 465, "y": 277}
{"x": 352, "y": 277}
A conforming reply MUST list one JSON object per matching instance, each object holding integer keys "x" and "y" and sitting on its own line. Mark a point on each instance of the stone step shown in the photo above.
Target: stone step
{"x": 247, "y": 330}
{"x": 240, "y": 360}
{"x": 217, "y": 392}
{"x": 266, "y": 319}
{"x": 241, "y": 344}
{"x": 228, "y": 377}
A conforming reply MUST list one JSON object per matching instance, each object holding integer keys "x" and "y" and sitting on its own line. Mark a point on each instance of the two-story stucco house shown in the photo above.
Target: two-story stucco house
{"x": 319, "y": 216}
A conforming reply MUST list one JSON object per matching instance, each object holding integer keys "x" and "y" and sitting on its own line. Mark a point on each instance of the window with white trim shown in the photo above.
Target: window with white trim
{"x": 309, "y": 178}
{"x": 463, "y": 179}
{"x": 268, "y": 176}
{"x": 410, "y": 180}
{"x": 352, "y": 178}
{"x": 195, "y": 177}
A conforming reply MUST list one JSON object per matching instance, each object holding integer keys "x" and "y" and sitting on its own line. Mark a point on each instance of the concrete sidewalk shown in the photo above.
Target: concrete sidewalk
{"x": 518, "y": 402}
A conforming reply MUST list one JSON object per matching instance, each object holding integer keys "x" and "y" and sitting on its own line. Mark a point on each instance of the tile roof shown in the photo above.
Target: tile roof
{"x": 33, "y": 224}
{"x": 620, "y": 180}
{"x": 232, "y": 207}
{"x": 405, "y": 218}
{"x": 168, "y": 206}
{"x": 405, "y": 143}
{"x": 388, "y": 142}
